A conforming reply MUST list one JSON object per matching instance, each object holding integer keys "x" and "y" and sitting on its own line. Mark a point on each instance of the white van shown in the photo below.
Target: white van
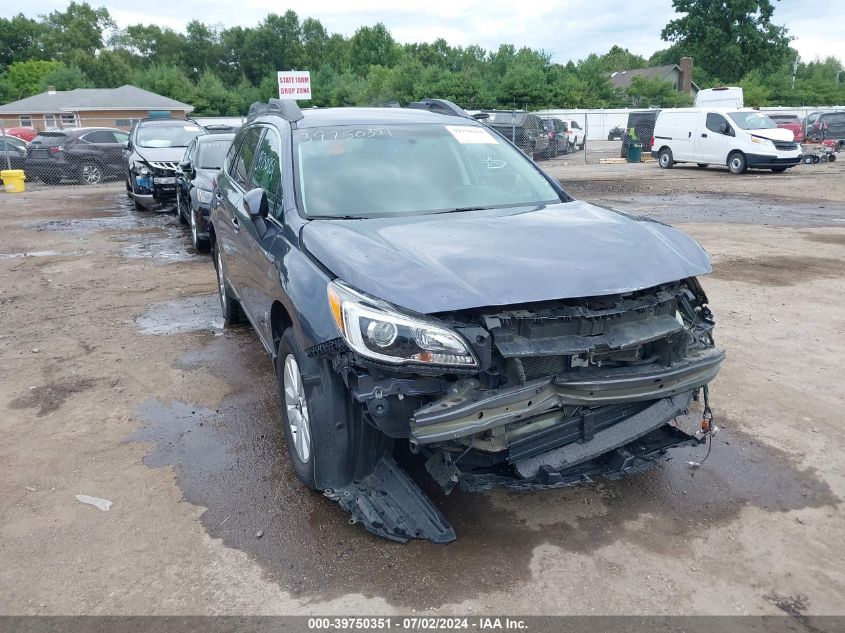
{"x": 739, "y": 138}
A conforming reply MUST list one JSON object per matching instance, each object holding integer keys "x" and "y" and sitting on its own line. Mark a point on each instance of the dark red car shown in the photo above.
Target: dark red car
{"x": 790, "y": 122}
{"x": 25, "y": 133}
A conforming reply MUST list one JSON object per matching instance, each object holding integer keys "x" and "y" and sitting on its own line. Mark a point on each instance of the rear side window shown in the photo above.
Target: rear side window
{"x": 266, "y": 171}
{"x": 49, "y": 139}
{"x": 99, "y": 136}
{"x": 246, "y": 153}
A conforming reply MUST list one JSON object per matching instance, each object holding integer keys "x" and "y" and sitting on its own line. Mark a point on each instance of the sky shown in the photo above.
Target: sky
{"x": 565, "y": 29}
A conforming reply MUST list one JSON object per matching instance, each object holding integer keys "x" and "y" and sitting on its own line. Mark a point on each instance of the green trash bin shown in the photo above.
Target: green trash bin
{"x": 635, "y": 152}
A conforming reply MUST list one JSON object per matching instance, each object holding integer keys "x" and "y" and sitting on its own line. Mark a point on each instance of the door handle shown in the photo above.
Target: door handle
{"x": 703, "y": 136}
{"x": 236, "y": 224}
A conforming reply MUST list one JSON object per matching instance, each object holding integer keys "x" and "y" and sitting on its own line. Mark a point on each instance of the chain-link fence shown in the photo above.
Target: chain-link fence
{"x": 85, "y": 151}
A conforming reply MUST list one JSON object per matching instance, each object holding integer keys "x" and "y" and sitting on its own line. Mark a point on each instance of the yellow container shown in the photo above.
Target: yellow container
{"x": 13, "y": 180}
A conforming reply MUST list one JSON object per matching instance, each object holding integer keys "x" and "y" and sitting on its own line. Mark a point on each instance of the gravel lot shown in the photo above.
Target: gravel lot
{"x": 117, "y": 380}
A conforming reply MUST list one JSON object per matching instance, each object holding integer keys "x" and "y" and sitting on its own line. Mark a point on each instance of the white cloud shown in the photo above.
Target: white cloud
{"x": 566, "y": 29}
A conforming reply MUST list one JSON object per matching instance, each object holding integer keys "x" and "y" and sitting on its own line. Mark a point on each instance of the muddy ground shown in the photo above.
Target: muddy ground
{"x": 117, "y": 380}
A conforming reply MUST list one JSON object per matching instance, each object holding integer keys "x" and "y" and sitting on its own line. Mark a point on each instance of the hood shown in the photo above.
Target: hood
{"x": 160, "y": 154}
{"x": 204, "y": 177}
{"x": 775, "y": 133}
{"x": 438, "y": 263}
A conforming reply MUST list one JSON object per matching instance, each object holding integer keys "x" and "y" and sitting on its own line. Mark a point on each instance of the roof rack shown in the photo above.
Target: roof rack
{"x": 440, "y": 106}
{"x": 288, "y": 110}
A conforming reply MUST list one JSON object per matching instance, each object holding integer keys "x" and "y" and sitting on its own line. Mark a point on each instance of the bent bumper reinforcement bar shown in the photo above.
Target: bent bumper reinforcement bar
{"x": 468, "y": 409}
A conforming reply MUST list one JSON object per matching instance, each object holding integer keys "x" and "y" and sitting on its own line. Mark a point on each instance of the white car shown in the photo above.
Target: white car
{"x": 739, "y": 138}
{"x": 576, "y": 134}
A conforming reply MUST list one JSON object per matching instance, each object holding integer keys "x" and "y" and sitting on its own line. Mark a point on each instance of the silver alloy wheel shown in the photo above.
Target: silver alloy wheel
{"x": 221, "y": 282}
{"x": 91, "y": 174}
{"x": 296, "y": 408}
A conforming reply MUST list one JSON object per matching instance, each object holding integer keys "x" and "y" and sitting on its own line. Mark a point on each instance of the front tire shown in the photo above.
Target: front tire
{"x": 664, "y": 158}
{"x": 737, "y": 163}
{"x": 179, "y": 213}
{"x": 329, "y": 443}
{"x": 200, "y": 243}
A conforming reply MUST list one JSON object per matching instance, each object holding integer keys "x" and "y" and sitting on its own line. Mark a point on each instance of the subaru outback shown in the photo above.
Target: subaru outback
{"x": 421, "y": 285}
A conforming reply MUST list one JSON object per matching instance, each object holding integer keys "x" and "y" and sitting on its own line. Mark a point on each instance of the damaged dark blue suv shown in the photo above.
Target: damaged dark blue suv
{"x": 421, "y": 283}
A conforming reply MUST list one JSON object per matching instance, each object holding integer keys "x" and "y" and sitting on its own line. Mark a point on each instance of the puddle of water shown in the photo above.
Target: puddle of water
{"x": 233, "y": 462}
{"x": 29, "y": 254}
{"x": 157, "y": 236}
{"x": 182, "y": 315}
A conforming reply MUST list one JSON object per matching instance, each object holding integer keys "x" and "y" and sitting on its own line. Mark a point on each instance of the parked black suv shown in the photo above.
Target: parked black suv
{"x": 152, "y": 158}
{"x": 87, "y": 155}
{"x": 421, "y": 284}
{"x": 194, "y": 182}
{"x": 523, "y": 129}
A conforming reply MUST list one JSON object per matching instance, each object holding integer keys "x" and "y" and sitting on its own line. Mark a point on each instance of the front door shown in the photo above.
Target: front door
{"x": 713, "y": 139}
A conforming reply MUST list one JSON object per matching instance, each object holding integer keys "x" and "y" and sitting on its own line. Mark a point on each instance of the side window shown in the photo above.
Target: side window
{"x": 121, "y": 137}
{"x": 717, "y": 123}
{"x": 246, "y": 153}
{"x": 99, "y": 136}
{"x": 190, "y": 153}
{"x": 266, "y": 172}
{"x": 229, "y": 163}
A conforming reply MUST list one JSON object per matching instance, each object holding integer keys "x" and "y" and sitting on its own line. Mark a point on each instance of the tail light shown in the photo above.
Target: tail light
{"x": 56, "y": 149}
{"x": 652, "y": 141}
{"x": 551, "y": 135}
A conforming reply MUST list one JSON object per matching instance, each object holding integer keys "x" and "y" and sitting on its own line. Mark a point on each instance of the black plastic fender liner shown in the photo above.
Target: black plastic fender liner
{"x": 391, "y": 505}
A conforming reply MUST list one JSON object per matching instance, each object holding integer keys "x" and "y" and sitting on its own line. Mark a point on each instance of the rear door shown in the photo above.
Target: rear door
{"x": 257, "y": 234}
{"x": 230, "y": 192}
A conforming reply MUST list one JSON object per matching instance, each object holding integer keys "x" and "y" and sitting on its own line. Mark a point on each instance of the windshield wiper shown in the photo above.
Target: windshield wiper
{"x": 462, "y": 209}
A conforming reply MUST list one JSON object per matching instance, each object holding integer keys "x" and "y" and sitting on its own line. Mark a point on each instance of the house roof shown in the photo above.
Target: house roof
{"x": 622, "y": 79}
{"x": 88, "y": 99}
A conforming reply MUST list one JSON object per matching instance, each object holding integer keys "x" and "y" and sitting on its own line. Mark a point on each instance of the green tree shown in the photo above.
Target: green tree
{"x": 729, "y": 39}
{"x": 21, "y": 40}
{"x": 24, "y": 78}
{"x": 79, "y": 28}
{"x": 65, "y": 78}
{"x": 372, "y": 46}
{"x": 169, "y": 81}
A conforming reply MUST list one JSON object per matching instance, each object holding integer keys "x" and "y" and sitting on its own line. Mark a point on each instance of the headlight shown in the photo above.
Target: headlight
{"x": 204, "y": 196}
{"x": 375, "y": 329}
{"x": 140, "y": 169}
{"x": 761, "y": 140}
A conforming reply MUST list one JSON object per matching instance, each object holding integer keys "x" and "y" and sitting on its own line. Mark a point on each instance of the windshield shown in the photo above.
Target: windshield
{"x": 211, "y": 155}
{"x": 363, "y": 171}
{"x": 177, "y": 134}
{"x": 752, "y": 120}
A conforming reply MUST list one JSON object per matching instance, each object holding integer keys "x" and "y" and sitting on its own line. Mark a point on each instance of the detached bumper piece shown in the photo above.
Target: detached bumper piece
{"x": 630, "y": 459}
{"x": 389, "y": 504}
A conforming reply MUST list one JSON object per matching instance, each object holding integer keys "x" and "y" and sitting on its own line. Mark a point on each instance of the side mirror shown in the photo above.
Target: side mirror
{"x": 255, "y": 203}
{"x": 187, "y": 168}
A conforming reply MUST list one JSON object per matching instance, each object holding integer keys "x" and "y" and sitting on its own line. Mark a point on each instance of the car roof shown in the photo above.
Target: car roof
{"x": 215, "y": 137}
{"x": 318, "y": 117}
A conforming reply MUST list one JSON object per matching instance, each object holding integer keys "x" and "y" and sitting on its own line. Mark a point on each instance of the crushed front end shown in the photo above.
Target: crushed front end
{"x": 562, "y": 392}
